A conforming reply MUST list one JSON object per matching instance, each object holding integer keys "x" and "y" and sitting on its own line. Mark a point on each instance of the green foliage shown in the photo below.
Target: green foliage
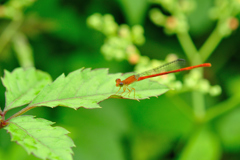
{"x": 228, "y": 130}
{"x": 38, "y": 137}
{"x": 203, "y": 143}
{"x": 81, "y": 88}
{"x": 120, "y": 46}
{"x": 23, "y": 85}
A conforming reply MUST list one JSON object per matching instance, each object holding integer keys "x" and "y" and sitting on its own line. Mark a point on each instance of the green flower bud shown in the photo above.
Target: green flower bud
{"x": 178, "y": 85}
{"x": 187, "y": 6}
{"x": 157, "y": 17}
{"x": 171, "y": 57}
{"x": 137, "y": 30}
{"x": 131, "y": 49}
{"x": 182, "y": 26}
{"x": 171, "y": 23}
{"x": 215, "y": 90}
{"x": 95, "y": 21}
{"x": 170, "y": 5}
{"x": 124, "y": 32}
{"x": 176, "y": 25}
{"x": 116, "y": 42}
{"x": 137, "y": 35}
{"x": 189, "y": 82}
{"x": 156, "y": 63}
{"x": 134, "y": 58}
{"x": 110, "y": 27}
{"x": 204, "y": 85}
{"x": 107, "y": 51}
{"x": 195, "y": 75}
{"x": 108, "y": 18}
{"x": 233, "y": 23}
{"x": 133, "y": 54}
{"x": 144, "y": 60}
{"x": 119, "y": 54}
{"x": 226, "y": 27}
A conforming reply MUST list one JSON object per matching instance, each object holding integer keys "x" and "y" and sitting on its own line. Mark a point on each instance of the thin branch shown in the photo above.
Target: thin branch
{"x": 222, "y": 107}
{"x": 9, "y": 33}
{"x": 198, "y": 105}
{"x": 210, "y": 45}
{"x": 194, "y": 57}
{"x": 21, "y": 112}
{"x": 187, "y": 45}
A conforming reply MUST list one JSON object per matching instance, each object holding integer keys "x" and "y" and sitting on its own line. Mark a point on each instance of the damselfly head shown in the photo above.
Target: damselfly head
{"x": 119, "y": 82}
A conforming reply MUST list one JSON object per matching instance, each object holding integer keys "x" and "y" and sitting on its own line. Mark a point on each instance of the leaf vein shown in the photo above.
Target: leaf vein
{"x": 35, "y": 138}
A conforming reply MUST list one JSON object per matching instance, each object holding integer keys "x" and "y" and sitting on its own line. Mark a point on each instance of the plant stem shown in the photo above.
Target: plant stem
{"x": 21, "y": 112}
{"x": 222, "y": 107}
{"x": 187, "y": 45}
{"x": 8, "y": 33}
{"x": 23, "y": 50}
{"x": 2, "y": 120}
{"x": 211, "y": 43}
{"x": 193, "y": 55}
{"x": 1, "y": 125}
{"x": 198, "y": 105}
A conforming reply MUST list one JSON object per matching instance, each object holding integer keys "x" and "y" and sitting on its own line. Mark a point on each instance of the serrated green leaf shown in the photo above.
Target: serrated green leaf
{"x": 86, "y": 88}
{"x": 144, "y": 89}
{"x": 22, "y": 86}
{"x": 38, "y": 137}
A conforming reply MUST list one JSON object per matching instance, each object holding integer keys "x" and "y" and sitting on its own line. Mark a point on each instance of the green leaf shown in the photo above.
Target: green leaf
{"x": 38, "y": 137}
{"x": 86, "y": 88}
{"x": 22, "y": 86}
{"x": 228, "y": 130}
{"x": 144, "y": 89}
{"x": 233, "y": 85}
{"x": 202, "y": 144}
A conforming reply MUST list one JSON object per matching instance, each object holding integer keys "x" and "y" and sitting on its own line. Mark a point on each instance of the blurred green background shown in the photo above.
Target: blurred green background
{"x": 54, "y": 36}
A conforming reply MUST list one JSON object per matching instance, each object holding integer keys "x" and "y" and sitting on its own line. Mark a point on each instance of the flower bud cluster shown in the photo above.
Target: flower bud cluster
{"x": 176, "y": 22}
{"x": 14, "y": 8}
{"x": 121, "y": 40}
{"x": 194, "y": 81}
{"x": 225, "y": 12}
